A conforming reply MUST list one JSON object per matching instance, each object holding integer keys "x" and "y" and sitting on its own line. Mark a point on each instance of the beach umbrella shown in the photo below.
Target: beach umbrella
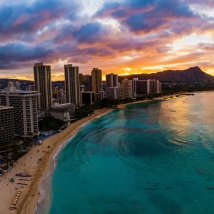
{"x": 12, "y": 180}
{"x": 12, "y": 207}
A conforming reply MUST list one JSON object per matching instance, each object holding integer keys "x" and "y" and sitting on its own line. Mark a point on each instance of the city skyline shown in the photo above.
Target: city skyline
{"x": 121, "y": 37}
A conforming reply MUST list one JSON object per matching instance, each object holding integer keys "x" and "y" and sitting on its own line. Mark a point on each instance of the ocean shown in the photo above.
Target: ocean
{"x": 155, "y": 158}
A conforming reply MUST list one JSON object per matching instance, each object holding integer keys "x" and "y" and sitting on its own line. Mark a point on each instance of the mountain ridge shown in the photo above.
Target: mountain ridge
{"x": 192, "y": 74}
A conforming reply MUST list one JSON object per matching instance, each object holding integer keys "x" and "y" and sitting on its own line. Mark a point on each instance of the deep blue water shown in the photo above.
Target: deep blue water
{"x": 156, "y": 158}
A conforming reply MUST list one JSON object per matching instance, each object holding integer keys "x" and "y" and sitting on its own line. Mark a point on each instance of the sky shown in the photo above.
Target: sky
{"x": 121, "y": 36}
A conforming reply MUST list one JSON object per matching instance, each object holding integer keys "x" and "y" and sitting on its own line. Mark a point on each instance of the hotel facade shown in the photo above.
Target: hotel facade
{"x": 25, "y": 110}
{"x": 7, "y": 126}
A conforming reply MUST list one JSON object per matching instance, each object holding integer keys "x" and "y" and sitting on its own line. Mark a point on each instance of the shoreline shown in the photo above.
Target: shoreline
{"x": 162, "y": 98}
{"x": 29, "y": 163}
{"x": 37, "y": 163}
{"x": 124, "y": 105}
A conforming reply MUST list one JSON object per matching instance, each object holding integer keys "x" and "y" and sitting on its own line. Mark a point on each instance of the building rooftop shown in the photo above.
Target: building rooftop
{"x": 20, "y": 92}
{"x": 64, "y": 105}
{"x": 5, "y": 107}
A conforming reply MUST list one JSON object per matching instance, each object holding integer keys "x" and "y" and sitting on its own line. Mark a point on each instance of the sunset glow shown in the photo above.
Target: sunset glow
{"x": 121, "y": 36}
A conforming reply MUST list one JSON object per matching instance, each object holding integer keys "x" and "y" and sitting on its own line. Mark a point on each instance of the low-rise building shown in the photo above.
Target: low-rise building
{"x": 62, "y": 111}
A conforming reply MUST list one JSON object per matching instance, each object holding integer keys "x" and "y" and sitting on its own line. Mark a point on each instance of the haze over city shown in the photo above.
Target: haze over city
{"x": 121, "y": 36}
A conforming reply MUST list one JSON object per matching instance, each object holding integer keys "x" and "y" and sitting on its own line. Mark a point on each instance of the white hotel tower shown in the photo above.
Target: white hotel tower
{"x": 25, "y": 109}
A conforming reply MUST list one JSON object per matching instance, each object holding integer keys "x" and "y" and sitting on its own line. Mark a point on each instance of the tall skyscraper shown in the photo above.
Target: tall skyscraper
{"x": 42, "y": 79}
{"x": 72, "y": 85}
{"x": 6, "y": 126}
{"x": 25, "y": 109}
{"x": 111, "y": 80}
{"x": 96, "y": 80}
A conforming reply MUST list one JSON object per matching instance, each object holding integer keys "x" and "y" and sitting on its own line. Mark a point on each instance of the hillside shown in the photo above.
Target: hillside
{"x": 193, "y": 74}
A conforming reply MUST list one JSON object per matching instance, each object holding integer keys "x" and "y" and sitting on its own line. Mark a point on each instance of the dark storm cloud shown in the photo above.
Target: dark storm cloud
{"x": 88, "y": 33}
{"x": 28, "y": 18}
{"x": 18, "y": 52}
{"x": 147, "y": 15}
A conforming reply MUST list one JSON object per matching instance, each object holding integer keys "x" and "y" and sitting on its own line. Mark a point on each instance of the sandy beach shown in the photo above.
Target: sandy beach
{"x": 122, "y": 106}
{"x": 36, "y": 163}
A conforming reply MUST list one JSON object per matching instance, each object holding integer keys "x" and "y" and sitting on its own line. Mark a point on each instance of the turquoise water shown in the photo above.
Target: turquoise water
{"x": 156, "y": 158}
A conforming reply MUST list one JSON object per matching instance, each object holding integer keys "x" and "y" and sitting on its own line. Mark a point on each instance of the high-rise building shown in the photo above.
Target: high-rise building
{"x": 134, "y": 86}
{"x": 126, "y": 88}
{"x": 150, "y": 86}
{"x": 159, "y": 88}
{"x": 101, "y": 95}
{"x": 111, "y": 80}
{"x": 30, "y": 88}
{"x": 72, "y": 85}
{"x": 55, "y": 92}
{"x": 6, "y": 126}
{"x": 42, "y": 79}
{"x": 81, "y": 79}
{"x": 61, "y": 95}
{"x": 96, "y": 75}
{"x": 87, "y": 82}
{"x": 25, "y": 110}
{"x": 87, "y": 97}
{"x": 141, "y": 87}
{"x": 17, "y": 85}
{"x": 113, "y": 93}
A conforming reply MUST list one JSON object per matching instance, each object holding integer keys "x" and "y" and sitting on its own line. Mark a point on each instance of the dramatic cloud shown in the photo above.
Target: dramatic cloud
{"x": 117, "y": 36}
